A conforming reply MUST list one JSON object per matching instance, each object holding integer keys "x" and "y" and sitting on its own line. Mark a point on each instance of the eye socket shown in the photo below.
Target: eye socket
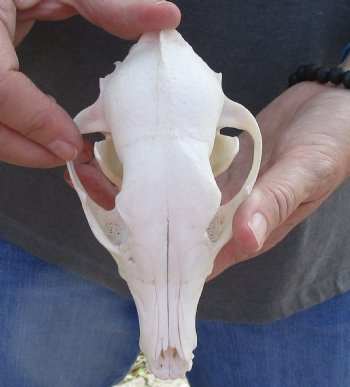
{"x": 231, "y": 132}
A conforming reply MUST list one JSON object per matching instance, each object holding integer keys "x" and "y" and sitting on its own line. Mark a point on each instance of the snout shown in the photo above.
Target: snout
{"x": 169, "y": 364}
{"x": 167, "y": 326}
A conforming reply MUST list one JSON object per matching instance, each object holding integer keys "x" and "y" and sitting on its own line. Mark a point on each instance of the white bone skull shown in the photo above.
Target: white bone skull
{"x": 161, "y": 111}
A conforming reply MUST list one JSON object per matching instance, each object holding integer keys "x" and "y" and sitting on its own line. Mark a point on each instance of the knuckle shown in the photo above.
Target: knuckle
{"x": 283, "y": 199}
{"x": 37, "y": 124}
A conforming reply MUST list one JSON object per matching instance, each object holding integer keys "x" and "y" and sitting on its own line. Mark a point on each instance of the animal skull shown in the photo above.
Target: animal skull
{"x": 161, "y": 111}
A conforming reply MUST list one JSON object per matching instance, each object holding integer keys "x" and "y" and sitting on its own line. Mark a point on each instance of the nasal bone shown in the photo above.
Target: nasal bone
{"x": 173, "y": 356}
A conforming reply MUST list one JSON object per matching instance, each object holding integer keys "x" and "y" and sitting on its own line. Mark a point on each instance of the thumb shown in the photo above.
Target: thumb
{"x": 129, "y": 19}
{"x": 275, "y": 197}
{"x": 125, "y": 19}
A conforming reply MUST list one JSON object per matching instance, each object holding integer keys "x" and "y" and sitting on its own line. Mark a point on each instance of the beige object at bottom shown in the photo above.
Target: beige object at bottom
{"x": 140, "y": 377}
{"x": 151, "y": 381}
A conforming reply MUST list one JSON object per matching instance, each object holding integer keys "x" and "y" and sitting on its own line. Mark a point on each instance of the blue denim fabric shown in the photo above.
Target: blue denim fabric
{"x": 308, "y": 349}
{"x": 344, "y": 53}
{"x": 58, "y": 329}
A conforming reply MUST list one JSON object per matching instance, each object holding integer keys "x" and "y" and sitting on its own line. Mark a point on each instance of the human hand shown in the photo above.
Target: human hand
{"x": 34, "y": 130}
{"x": 306, "y": 156}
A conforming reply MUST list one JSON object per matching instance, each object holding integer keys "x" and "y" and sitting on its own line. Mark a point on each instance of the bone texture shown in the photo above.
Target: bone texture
{"x": 161, "y": 111}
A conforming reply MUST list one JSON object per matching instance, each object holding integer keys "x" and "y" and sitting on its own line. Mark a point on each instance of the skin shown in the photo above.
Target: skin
{"x": 34, "y": 130}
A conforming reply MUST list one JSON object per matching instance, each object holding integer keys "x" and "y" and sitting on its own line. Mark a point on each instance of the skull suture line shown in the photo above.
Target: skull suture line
{"x": 161, "y": 111}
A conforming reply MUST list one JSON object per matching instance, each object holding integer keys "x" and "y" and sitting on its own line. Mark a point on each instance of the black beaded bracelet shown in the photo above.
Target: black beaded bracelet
{"x": 321, "y": 74}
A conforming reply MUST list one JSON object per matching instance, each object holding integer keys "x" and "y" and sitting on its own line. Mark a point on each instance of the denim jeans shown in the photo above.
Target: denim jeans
{"x": 60, "y": 330}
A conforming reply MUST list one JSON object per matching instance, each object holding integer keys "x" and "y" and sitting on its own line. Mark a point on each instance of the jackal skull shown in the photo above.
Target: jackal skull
{"x": 160, "y": 112}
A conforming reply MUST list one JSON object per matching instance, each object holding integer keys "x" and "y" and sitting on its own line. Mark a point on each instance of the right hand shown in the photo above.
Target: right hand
{"x": 34, "y": 130}
{"x": 306, "y": 156}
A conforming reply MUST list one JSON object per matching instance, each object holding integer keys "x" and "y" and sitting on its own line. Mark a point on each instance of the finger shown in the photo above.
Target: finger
{"x": 126, "y": 19}
{"x": 45, "y": 10}
{"x": 30, "y": 112}
{"x": 233, "y": 252}
{"x": 229, "y": 255}
{"x": 299, "y": 215}
{"x": 87, "y": 152}
{"x": 129, "y": 19}
{"x": 275, "y": 197}
{"x": 96, "y": 185}
{"x": 27, "y": 110}
{"x": 19, "y": 150}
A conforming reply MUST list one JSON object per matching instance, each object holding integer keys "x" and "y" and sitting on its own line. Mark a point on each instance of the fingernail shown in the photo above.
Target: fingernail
{"x": 161, "y": 1}
{"x": 63, "y": 149}
{"x": 258, "y": 225}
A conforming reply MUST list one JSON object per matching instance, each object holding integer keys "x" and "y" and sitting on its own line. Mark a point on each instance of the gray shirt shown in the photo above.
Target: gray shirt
{"x": 256, "y": 44}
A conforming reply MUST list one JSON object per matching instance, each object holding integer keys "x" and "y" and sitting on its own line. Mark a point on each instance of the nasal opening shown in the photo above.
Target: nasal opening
{"x": 170, "y": 365}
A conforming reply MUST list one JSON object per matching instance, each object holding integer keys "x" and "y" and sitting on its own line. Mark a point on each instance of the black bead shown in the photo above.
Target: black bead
{"x": 322, "y": 75}
{"x": 346, "y": 79}
{"x": 310, "y": 72}
{"x": 336, "y": 75}
{"x": 292, "y": 80}
{"x": 300, "y": 73}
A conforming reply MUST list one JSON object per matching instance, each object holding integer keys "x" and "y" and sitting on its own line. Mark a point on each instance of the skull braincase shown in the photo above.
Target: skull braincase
{"x": 161, "y": 111}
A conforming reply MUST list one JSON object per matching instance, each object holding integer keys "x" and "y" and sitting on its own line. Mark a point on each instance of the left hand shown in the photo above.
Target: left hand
{"x": 34, "y": 130}
{"x": 306, "y": 156}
